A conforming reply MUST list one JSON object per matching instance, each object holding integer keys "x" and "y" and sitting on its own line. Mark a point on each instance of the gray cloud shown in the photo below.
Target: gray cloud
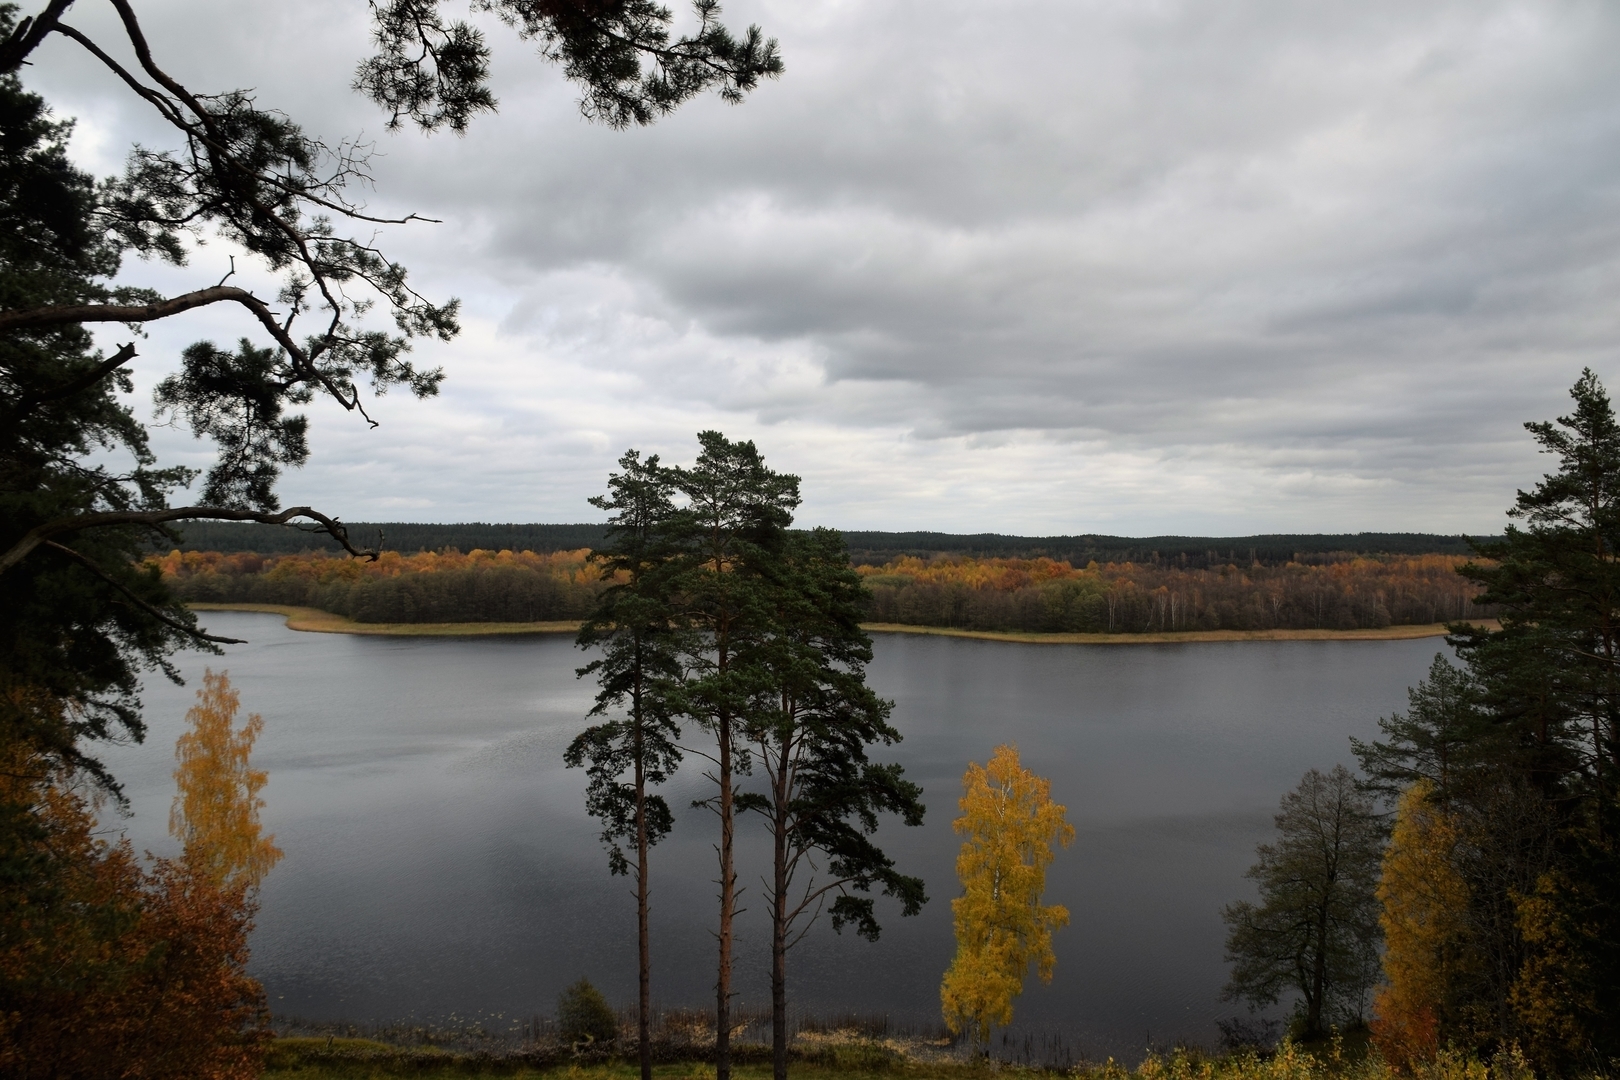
{"x": 1033, "y": 266}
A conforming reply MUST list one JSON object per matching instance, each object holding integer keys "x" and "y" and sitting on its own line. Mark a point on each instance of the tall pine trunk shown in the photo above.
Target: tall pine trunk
{"x": 779, "y": 914}
{"x": 728, "y": 876}
{"x": 644, "y": 952}
{"x": 728, "y": 900}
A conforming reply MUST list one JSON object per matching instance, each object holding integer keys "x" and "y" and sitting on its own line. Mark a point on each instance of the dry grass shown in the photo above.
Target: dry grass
{"x": 352, "y": 1059}
{"x": 324, "y": 622}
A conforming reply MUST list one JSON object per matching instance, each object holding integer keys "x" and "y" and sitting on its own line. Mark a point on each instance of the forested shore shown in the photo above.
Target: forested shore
{"x": 1040, "y": 595}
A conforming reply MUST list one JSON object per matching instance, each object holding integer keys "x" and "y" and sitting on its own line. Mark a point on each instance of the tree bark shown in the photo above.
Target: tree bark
{"x": 728, "y": 900}
{"x": 644, "y": 954}
{"x": 779, "y": 904}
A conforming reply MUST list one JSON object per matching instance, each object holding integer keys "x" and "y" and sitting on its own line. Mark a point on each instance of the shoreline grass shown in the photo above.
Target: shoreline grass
{"x": 316, "y": 621}
{"x": 313, "y": 620}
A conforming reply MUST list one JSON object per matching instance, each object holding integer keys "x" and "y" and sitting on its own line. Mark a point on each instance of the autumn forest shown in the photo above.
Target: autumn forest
{"x": 1333, "y": 591}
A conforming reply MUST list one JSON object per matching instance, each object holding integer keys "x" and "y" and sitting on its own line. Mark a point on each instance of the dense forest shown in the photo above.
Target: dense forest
{"x": 480, "y": 586}
{"x": 865, "y": 547}
{"x": 1330, "y": 591}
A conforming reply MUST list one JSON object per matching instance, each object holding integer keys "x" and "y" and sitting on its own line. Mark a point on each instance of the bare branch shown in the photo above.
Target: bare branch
{"x": 27, "y": 35}
{"x": 124, "y": 313}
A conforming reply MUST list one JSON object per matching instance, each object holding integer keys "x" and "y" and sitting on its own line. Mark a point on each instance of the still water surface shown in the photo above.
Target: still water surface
{"x": 439, "y": 861}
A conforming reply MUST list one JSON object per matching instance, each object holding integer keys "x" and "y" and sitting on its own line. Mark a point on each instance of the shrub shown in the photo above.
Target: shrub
{"x": 584, "y": 1016}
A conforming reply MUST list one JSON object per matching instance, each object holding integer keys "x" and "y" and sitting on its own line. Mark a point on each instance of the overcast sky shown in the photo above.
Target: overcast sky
{"x": 1051, "y": 266}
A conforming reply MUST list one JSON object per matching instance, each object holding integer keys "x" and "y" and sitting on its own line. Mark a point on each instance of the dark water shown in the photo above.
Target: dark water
{"x": 439, "y": 860}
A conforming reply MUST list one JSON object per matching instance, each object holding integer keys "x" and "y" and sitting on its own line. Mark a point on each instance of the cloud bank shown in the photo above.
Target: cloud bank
{"x": 1043, "y": 266}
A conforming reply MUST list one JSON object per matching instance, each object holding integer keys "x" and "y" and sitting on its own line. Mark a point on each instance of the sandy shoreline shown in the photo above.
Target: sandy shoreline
{"x": 323, "y": 622}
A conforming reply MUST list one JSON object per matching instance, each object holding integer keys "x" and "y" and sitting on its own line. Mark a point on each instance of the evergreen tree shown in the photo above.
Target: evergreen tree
{"x": 78, "y": 617}
{"x": 811, "y": 728}
{"x": 635, "y": 628}
{"x": 1551, "y": 681}
{"x": 728, "y": 539}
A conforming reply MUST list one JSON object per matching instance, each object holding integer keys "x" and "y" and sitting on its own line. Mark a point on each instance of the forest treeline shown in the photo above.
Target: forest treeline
{"x": 866, "y": 547}
{"x": 1325, "y": 592}
{"x": 1335, "y": 592}
{"x": 479, "y": 586}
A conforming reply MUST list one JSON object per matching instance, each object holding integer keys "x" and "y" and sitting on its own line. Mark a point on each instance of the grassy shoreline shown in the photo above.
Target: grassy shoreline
{"x": 313, "y": 620}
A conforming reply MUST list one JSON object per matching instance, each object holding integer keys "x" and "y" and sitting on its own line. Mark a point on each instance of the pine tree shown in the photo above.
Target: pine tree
{"x": 1002, "y": 927}
{"x": 639, "y": 669}
{"x": 811, "y": 728}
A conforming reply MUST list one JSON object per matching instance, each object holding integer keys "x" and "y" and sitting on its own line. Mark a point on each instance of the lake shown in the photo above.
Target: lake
{"x": 439, "y": 861}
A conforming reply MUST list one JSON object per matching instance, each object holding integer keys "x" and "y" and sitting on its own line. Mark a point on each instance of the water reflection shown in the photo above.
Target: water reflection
{"x": 439, "y": 860}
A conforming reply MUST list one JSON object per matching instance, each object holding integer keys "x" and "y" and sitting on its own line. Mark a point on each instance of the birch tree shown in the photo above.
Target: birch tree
{"x": 1002, "y": 927}
{"x": 215, "y": 814}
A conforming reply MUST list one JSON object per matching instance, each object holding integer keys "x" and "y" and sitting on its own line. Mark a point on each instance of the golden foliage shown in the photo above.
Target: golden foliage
{"x": 216, "y": 811}
{"x": 571, "y": 567}
{"x": 1424, "y": 900}
{"x": 1010, "y": 822}
{"x": 112, "y": 970}
{"x": 1325, "y": 592}
{"x": 1291, "y": 1062}
{"x": 1553, "y": 997}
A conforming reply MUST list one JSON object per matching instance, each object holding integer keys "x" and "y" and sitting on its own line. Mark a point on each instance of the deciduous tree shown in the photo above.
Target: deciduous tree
{"x": 108, "y": 968}
{"x": 1002, "y": 927}
{"x": 215, "y": 815}
{"x": 1315, "y": 930}
{"x": 1424, "y": 915}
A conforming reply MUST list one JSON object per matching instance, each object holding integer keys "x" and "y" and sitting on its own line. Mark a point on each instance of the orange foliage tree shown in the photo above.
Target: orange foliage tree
{"x": 216, "y": 811}
{"x": 1002, "y": 927}
{"x": 1425, "y": 902}
{"x": 109, "y": 969}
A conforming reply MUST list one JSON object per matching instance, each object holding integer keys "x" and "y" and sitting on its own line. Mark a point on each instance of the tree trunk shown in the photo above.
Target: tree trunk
{"x": 644, "y": 1000}
{"x": 728, "y": 897}
{"x": 1314, "y": 1000}
{"x": 779, "y": 905}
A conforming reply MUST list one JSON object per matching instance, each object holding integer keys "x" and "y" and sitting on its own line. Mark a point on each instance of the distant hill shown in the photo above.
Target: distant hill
{"x": 865, "y": 546}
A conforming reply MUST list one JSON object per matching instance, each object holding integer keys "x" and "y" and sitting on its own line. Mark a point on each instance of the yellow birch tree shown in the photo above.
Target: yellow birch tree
{"x": 1424, "y": 902}
{"x": 216, "y": 812}
{"x": 1010, "y": 822}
